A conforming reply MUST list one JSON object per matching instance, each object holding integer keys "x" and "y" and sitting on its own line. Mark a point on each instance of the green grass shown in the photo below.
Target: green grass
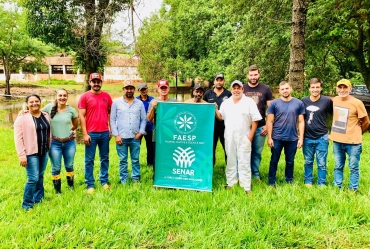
{"x": 140, "y": 216}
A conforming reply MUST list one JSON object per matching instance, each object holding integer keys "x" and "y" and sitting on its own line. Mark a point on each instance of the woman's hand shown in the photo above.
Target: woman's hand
{"x": 23, "y": 162}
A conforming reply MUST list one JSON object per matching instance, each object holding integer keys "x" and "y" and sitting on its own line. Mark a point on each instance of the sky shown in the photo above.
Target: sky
{"x": 122, "y": 29}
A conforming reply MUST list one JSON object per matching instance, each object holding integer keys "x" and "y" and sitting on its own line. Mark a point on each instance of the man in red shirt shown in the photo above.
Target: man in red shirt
{"x": 94, "y": 110}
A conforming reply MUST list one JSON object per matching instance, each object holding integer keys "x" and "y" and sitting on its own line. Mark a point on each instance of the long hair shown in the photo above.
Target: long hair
{"x": 54, "y": 109}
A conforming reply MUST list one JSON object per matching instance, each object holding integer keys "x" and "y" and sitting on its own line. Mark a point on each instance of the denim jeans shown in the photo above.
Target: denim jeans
{"x": 319, "y": 147}
{"x": 354, "y": 152}
{"x": 122, "y": 151}
{"x": 256, "y": 155}
{"x": 59, "y": 149}
{"x": 100, "y": 139}
{"x": 34, "y": 188}
{"x": 290, "y": 148}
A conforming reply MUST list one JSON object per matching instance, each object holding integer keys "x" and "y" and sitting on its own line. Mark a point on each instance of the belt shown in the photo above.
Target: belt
{"x": 63, "y": 140}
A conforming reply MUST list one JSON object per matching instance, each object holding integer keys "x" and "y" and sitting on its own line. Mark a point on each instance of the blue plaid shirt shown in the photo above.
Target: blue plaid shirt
{"x": 127, "y": 120}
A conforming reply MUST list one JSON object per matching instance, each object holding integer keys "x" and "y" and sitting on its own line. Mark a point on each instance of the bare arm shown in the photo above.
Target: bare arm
{"x": 269, "y": 124}
{"x": 253, "y": 130}
{"x": 300, "y": 130}
{"x": 151, "y": 112}
{"x": 364, "y": 124}
{"x": 86, "y": 137}
{"x": 74, "y": 123}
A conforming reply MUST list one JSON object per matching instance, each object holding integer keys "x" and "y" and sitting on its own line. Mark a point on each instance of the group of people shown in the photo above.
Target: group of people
{"x": 240, "y": 126}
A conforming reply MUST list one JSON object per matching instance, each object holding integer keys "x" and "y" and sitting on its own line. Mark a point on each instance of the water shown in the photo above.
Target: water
{"x": 12, "y": 108}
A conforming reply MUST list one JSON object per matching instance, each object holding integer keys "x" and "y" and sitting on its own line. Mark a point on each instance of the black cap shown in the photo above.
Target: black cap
{"x": 198, "y": 86}
{"x": 219, "y": 76}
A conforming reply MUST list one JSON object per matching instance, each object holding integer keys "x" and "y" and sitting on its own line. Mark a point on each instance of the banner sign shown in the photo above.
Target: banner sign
{"x": 184, "y": 145}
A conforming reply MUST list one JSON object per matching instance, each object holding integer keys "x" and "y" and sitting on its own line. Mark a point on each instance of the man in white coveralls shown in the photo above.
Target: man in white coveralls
{"x": 241, "y": 117}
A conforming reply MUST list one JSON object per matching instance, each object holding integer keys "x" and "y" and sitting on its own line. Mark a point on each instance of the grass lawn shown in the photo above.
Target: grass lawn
{"x": 140, "y": 216}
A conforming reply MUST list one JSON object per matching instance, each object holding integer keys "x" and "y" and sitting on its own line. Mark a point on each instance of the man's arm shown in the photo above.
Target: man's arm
{"x": 151, "y": 112}
{"x": 301, "y": 130}
{"x": 86, "y": 137}
{"x": 253, "y": 130}
{"x": 364, "y": 124}
{"x": 269, "y": 124}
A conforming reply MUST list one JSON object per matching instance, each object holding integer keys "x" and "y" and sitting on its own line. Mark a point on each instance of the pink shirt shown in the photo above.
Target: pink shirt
{"x": 97, "y": 108}
{"x": 25, "y": 137}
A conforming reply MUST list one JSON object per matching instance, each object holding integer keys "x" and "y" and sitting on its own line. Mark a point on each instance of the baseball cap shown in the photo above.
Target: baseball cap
{"x": 162, "y": 83}
{"x": 142, "y": 86}
{"x": 344, "y": 82}
{"x": 198, "y": 86}
{"x": 96, "y": 76}
{"x": 236, "y": 82}
{"x": 219, "y": 76}
{"x": 128, "y": 83}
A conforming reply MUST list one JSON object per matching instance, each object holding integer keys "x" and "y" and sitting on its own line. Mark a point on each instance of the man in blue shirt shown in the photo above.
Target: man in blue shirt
{"x": 282, "y": 117}
{"x": 128, "y": 121}
{"x": 145, "y": 98}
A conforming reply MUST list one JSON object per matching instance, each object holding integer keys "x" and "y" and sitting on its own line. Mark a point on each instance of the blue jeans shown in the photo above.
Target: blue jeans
{"x": 290, "y": 148}
{"x": 354, "y": 152}
{"x": 100, "y": 139}
{"x": 256, "y": 155}
{"x": 34, "y": 188}
{"x": 122, "y": 151}
{"x": 59, "y": 149}
{"x": 319, "y": 147}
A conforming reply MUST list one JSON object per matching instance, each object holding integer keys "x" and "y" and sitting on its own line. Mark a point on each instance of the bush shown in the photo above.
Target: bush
{"x": 57, "y": 82}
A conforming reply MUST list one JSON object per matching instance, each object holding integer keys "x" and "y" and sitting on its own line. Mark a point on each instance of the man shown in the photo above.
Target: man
{"x": 128, "y": 121}
{"x": 198, "y": 92}
{"x": 163, "y": 90}
{"x": 262, "y": 95}
{"x": 217, "y": 95}
{"x": 241, "y": 117}
{"x": 317, "y": 108}
{"x": 282, "y": 116}
{"x": 94, "y": 109}
{"x": 350, "y": 121}
{"x": 145, "y": 98}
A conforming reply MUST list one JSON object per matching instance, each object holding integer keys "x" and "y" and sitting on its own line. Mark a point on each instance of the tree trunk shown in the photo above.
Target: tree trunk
{"x": 297, "y": 45}
{"x": 7, "y": 75}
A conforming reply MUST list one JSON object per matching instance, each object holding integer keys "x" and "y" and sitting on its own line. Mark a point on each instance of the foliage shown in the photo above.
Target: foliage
{"x": 141, "y": 216}
{"x": 17, "y": 49}
{"x": 57, "y": 82}
{"x": 75, "y": 25}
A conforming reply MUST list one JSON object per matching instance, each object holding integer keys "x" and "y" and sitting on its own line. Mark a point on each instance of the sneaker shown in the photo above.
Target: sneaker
{"x": 308, "y": 185}
{"x": 90, "y": 191}
{"x": 106, "y": 187}
{"x": 248, "y": 192}
{"x": 228, "y": 187}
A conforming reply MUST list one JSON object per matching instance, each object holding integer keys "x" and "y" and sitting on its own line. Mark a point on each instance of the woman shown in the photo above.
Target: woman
{"x": 64, "y": 122}
{"x": 32, "y": 138}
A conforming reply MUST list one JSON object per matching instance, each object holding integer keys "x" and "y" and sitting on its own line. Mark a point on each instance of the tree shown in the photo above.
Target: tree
{"x": 75, "y": 25}
{"x": 342, "y": 30}
{"x": 16, "y": 47}
{"x": 297, "y": 45}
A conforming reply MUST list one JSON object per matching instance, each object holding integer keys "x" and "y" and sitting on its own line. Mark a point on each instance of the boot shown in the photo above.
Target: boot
{"x": 70, "y": 178}
{"x": 58, "y": 186}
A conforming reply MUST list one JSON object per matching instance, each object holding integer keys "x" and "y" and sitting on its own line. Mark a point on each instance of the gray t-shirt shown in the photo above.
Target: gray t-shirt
{"x": 61, "y": 123}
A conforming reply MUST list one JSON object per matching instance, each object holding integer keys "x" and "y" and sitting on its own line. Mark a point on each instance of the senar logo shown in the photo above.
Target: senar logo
{"x": 185, "y": 122}
{"x": 184, "y": 159}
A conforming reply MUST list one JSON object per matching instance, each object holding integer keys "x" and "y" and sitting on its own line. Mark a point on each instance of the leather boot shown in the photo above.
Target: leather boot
{"x": 70, "y": 178}
{"x": 57, "y": 186}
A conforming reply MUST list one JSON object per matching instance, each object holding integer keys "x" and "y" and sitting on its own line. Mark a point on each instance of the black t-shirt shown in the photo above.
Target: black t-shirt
{"x": 42, "y": 126}
{"x": 211, "y": 97}
{"x": 260, "y": 94}
{"x": 316, "y": 115}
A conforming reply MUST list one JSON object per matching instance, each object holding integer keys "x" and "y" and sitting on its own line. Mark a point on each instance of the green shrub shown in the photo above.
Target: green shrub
{"x": 57, "y": 82}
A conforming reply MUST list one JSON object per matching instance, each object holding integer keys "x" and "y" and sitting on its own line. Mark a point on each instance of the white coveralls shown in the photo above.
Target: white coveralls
{"x": 238, "y": 120}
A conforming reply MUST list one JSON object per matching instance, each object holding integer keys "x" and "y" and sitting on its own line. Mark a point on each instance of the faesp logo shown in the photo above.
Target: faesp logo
{"x": 185, "y": 122}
